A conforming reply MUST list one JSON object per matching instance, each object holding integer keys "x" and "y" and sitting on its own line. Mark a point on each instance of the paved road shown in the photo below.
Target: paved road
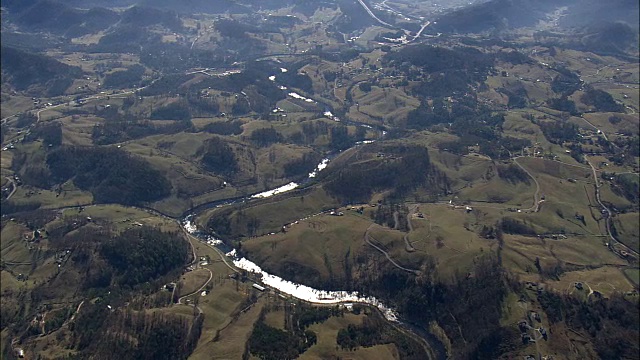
{"x": 364, "y": 5}
{"x": 608, "y": 213}
{"x": 14, "y": 188}
{"x": 536, "y": 195}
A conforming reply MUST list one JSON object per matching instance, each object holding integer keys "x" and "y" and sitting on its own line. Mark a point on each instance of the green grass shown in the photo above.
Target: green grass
{"x": 273, "y": 214}
{"x": 634, "y": 275}
{"x": 319, "y": 243}
{"x": 232, "y": 340}
{"x": 193, "y": 280}
{"x": 628, "y": 229}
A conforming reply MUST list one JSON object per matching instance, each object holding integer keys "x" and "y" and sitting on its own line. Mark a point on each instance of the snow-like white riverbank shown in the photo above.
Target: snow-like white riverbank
{"x": 323, "y": 164}
{"x": 300, "y": 97}
{"x": 310, "y": 294}
{"x": 269, "y": 193}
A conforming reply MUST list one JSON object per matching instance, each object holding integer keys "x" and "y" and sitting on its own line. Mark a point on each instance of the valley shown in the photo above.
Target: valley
{"x": 320, "y": 180}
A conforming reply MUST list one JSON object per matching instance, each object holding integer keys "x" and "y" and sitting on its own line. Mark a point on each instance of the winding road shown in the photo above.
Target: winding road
{"x": 367, "y": 239}
{"x": 608, "y": 216}
{"x": 536, "y": 195}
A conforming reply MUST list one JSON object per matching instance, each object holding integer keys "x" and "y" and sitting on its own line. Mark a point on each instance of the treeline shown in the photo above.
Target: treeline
{"x": 111, "y": 175}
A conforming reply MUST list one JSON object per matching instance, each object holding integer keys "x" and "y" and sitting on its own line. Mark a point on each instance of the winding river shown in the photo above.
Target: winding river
{"x": 300, "y": 291}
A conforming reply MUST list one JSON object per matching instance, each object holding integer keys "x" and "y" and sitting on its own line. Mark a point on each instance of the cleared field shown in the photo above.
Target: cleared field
{"x": 628, "y": 229}
{"x": 122, "y": 217}
{"x": 449, "y": 235}
{"x": 193, "y": 280}
{"x": 274, "y": 214}
{"x": 318, "y": 246}
{"x": 520, "y": 253}
{"x": 14, "y": 248}
{"x": 605, "y": 280}
{"x": 275, "y": 319}
{"x": 231, "y": 341}
{"x": 12, "y": 105}
{"x": 633, "y": 274}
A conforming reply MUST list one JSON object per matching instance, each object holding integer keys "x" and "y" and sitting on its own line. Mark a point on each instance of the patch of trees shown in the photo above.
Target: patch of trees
{"x": 473, "y": 123}
{"x": 23, "y": 70}
{"x": 513, "y": 226}
{"x": 612, "y": 324}
{"x": 566, "y": 82}
{"x": 233, "y": 127}
{"x": 134, "y": 335}
{"x": 374, "y": 331}
{"x": 25, "y": 119}
{"x": 178, "y": 110}
{"x": 601, "y": 100}
{"x": 218, "y": 157}
{"x": 122, "y": 127}
{"x": 563, "y": 104}
{"x": 143, "y": 16}
{"x": 412, "y": 170}
{"x": 339, "y": 138}
{"x": 436, "y": 59}
{"x": 142, "y": 254}
{"x": 124, "y": 78}
{"x": 513, "y": 174}
{"x": 269, "y": 343}
{"x": 559, "y": 132}
{"x": 50, "y": 133}
{"x": 233, "y": 28}
{"x": 293, "y": 79}
{"x": 517, "y": 97}
{"x": 202, "y": 106}
{"x": 168, "y": 84}
{"x": 61, "y": 19}
{"x": 111, "y": 175}
{"x": 11, "y": 207}
{"x": 353, "y": 17}
{"x": 265, "y": 136}
{"x": 514, "y": 57}
{"x": 302, "y": 165}
{"x": 627, "y": 185}
{"x": 125, "y": 38}
{"x": 452, "y": 305}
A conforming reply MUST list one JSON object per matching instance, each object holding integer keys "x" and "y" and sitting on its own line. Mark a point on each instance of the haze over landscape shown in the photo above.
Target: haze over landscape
{"x": 330, "y": 179}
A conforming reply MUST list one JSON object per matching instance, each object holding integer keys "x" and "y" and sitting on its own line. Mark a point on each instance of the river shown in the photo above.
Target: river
{"x": 301, "y": 291}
